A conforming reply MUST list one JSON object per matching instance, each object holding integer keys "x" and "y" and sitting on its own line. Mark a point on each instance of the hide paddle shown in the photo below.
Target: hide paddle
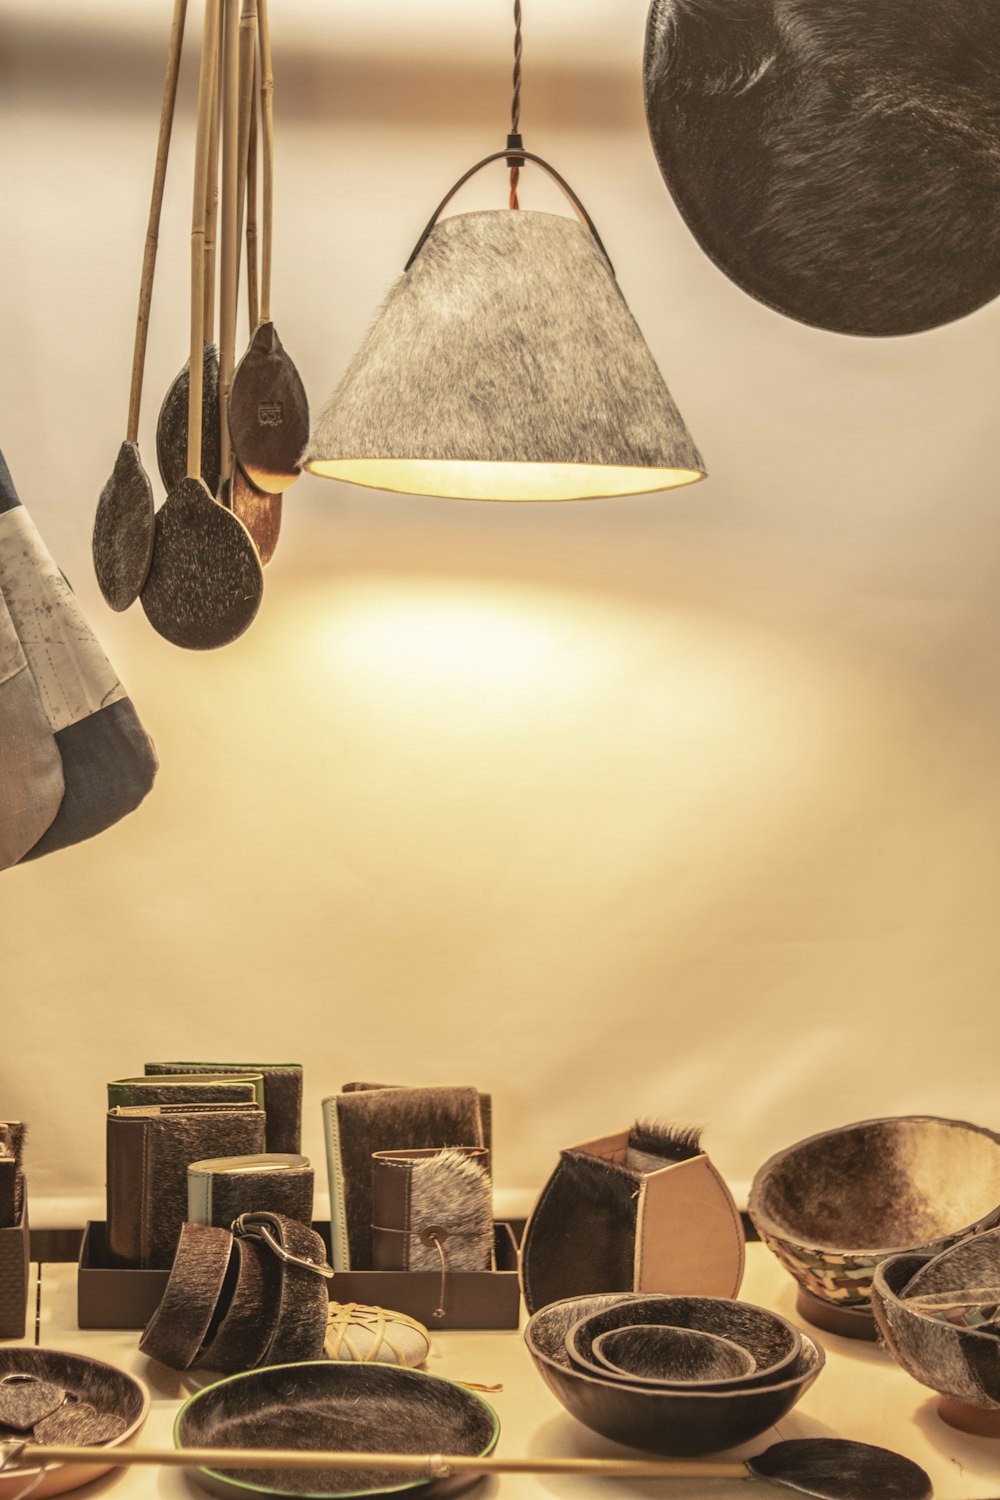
{"x": 123, "y": 526}
{"x": 830, "y": 1468}
{"x": 268, "y": 410}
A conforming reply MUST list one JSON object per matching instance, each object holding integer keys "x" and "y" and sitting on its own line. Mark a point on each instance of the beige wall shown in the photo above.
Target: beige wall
{"x": 681, "y": 805}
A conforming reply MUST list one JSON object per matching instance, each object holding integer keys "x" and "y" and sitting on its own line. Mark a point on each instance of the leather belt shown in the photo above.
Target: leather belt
{"x": 235, "y": 1300}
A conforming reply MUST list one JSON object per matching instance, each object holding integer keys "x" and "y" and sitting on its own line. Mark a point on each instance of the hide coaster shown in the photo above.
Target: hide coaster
{"x": 25, "y": 1400}
{"x": 80, "y": 1424}
{"x": 320, "y": 1404}
{"x": 838, "y": 160}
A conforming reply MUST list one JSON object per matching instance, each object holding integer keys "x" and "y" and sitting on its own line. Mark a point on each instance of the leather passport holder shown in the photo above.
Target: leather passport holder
{"x": 641, "y": 1210}
{"x": 282, "y": 1095}
{"x": 432, "y": 1210}
{"x": 223, "y": 1187}
{"x": 186, "y": 1088}
{"x": 357, "y": 1123}
{"x": 149, "y": 1148}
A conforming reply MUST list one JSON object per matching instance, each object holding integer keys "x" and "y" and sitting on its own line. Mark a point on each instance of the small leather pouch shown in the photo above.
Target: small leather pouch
{"x": 642, "y": 1210}
{"x": 187, "y": 1088}
{"x": 149, "y": 1148}
{"x": 223, "y": 1187}
{"x": 358, "y": 1123}
{"x": 432, "y": 1209}
{"x": 282, "y": 1095}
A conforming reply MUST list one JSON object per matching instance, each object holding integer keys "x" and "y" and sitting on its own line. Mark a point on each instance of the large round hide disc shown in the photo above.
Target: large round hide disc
{"x": 838, "y": 159}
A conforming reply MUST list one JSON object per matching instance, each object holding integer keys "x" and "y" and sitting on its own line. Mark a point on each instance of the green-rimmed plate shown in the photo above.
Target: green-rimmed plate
{"x": 344, "y": 1407}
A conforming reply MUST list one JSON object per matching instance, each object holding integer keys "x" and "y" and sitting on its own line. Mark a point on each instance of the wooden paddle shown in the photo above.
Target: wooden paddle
{"x": 205, "y": 583}
{"x": 123, "y": 526}
{"x": 832, "y": 1468}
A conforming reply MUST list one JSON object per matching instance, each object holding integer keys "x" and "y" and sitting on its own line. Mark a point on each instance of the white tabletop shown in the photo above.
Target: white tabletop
{"x": 861, "y": 1394}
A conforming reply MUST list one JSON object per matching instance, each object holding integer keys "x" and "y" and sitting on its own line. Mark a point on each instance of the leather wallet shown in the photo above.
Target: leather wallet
{"x": 432, "y": 1209}
{"x": 186, "y": 1088}
{"x": 641, "y": 1210}
{"x": 282, "y": 1095}
{"x": 223, "y": 1187}
{"x": 148, "y": 1151}
{"x": 357, "y": 1123}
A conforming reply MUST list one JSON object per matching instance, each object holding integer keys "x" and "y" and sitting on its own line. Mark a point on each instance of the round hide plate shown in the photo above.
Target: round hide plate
{"x": 838, "y": 159}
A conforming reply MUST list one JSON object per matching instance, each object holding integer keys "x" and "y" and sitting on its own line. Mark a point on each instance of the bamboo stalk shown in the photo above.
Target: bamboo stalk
{"x": 253, "y": 298}
{"x": 267, "y": 131}
{"x": 209, "y": 62}
{"x": 429, "y": 1465}
{"x": 212, "y": 207}
{"x": 230, "y": 233}
{"x": 247, "y": 112}
{"x": 153, "y": 222}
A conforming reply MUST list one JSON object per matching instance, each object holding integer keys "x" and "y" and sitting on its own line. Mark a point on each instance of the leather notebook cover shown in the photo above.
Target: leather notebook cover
{"x": 360, "y": 1122}
{"x": 432, "y": 1209}
{"x": 282, "y": 1097}
{"x": 149, "y": 1149}
{"x": 222, "y": 1188}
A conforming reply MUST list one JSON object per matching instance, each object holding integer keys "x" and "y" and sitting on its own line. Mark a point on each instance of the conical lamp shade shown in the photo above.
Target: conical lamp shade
{"x": 505, "y": 365}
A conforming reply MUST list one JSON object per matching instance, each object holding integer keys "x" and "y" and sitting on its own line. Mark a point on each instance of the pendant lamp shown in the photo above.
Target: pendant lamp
{"x": 505, "y": 365}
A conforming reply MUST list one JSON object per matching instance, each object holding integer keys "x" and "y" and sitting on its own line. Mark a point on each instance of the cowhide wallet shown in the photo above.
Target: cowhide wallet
{"x": 149, "y": 1148}
{"x": 641, "y": 1210}
{"x": 223, "y": 1187}
{"x": 282, "y": 1095}
{"x": 186, "y": 1088}
{"x": 358, "y": 1123}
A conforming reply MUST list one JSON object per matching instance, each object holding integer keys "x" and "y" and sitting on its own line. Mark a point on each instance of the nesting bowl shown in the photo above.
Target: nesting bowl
{"x": 769, "y": 1340}
{"x": 657, "y": 1354}
{"x": 835, "y": 1205}
{"x": 677, "y": 1423}
{"x": 926, "y": 1309}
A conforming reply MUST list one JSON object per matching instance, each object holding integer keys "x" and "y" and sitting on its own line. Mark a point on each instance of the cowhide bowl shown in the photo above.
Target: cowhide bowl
{"x": 770, "y": 1342}
{"x": 833, "y": 1206}
{"x": 657, "y": 1354}
{"x": 921, "y": 1308}
{"x": 106, "y": 1388}
{"x": 676, "y": 1423}
{"x": 318, "y": 1404}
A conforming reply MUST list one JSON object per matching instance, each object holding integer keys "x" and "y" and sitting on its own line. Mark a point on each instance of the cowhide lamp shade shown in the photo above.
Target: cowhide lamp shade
{"x": 505, "y": 365}
{"x": 838, "y": 159}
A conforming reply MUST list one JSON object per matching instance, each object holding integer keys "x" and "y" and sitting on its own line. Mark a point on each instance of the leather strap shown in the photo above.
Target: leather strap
{"x": 297, "y": 1271}
{"x": 178, "y": 1327}
{"x": 240, "y": 1339}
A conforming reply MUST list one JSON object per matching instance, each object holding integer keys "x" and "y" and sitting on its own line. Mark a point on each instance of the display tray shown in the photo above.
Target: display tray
{"x": 14, "y": 1261}
{"x": 118, "y": 1297}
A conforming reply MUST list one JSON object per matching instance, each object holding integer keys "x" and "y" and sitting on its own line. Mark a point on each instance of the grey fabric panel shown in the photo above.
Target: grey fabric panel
{"x": 8, "y": 494}
{"x": 108, "y": 767}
